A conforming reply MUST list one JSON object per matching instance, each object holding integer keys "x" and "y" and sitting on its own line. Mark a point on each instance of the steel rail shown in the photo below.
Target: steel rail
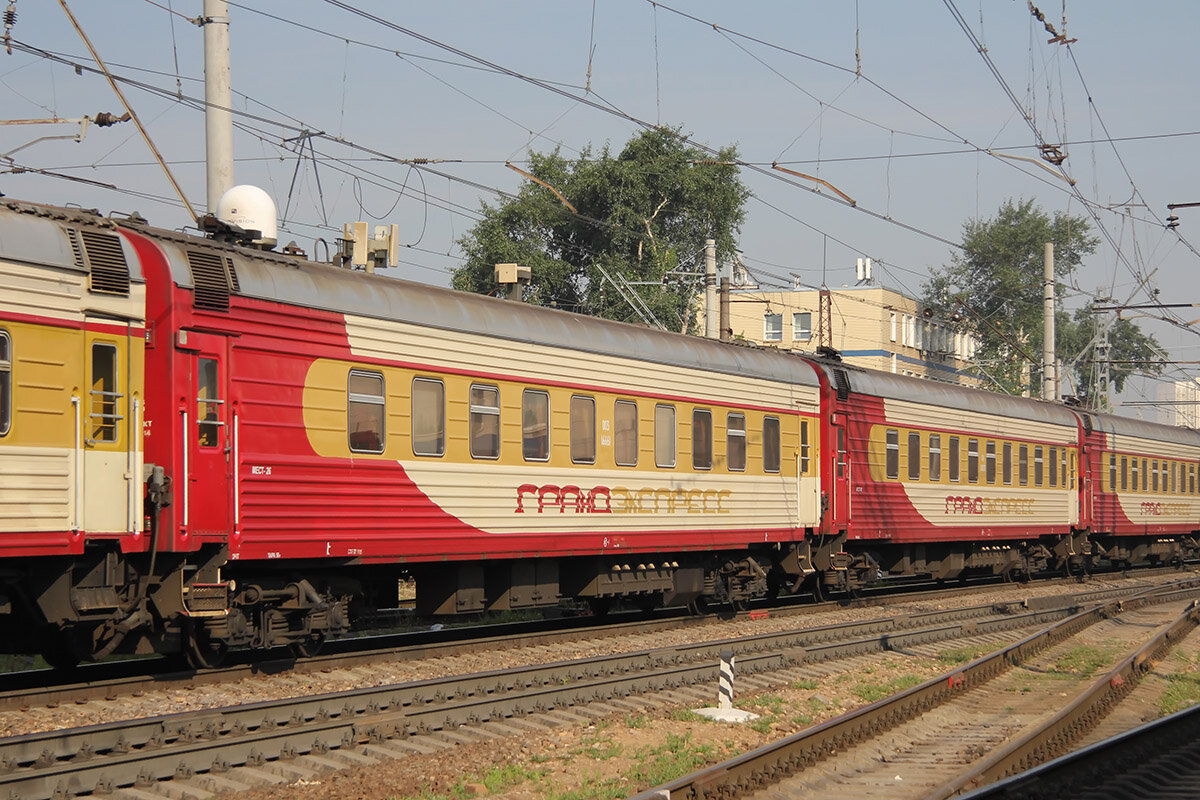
{"x": 742, "y": 775}
{"x": 99, "y": 758}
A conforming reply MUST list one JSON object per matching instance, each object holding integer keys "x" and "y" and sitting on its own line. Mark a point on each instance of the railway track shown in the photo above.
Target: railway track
{"x": 206, "y": 752}
{"x": 970, "y": 726}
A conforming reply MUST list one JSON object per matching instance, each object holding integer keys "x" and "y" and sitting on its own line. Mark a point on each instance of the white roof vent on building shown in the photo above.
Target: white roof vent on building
{"x": 253, "y": 211}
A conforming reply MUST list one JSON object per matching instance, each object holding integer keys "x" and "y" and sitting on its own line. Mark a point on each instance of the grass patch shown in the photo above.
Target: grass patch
{"x": 963, "y": 655}
{"x": 1083, "y": 661}
{"x": 805, "y": 683}
{"x": 872, "y": 692}
{"x": 1183, "y": 691}
{"x": 678, "y": 756}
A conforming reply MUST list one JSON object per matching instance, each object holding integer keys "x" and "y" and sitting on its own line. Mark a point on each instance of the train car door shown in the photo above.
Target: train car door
{"x": 108, "y": 468}
{"x": 840, "y": 469}
{"x": 207, "y": 430}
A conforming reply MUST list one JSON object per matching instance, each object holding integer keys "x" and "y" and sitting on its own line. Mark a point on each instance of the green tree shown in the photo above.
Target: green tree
{"x": 641, "y": 219}
{"x": 995, "y": 285}
{"x": 1129, "y": 351}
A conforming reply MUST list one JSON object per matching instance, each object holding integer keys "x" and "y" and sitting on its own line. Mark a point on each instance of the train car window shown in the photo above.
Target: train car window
{"x": 935, "y": 457}
{"x": 892, "y": 455}
{"x": 1023, "y": 465}
{"x": 804, "y": 447}
{"x": 914, "y": 456}
{"x": 841, "y": 452}
{"x": 1072, "y": 473}
{"x": 484, "y": 421}
{"x": 1054, "y": 466}
{"x": 702, "y": 439}
{"x": 208, "y": 402}
{"x": 1039, "y": 466}
{"x": 735, "y": 441}
{"x": 664, "y": 436}
{"x": 990, "y": 465}
{"x": 365, "y": 411}
{"x": 583, "y": 430}
{"x": 1135, "y": 474}
{"x": 103, "y": 414}
{"x": 1191, "y": 478}
{"x": 625, "y": 449}
{"x": 1062, "y": 463}
{"x": 535, "y": 425}
{"x": 972, "y": 460}
{"x": 1154, "y": 475}
{"x": 772, "y": 449}
{"x": 1112, "y": 472}
{"x": 5, "y": 382}
{"x": 953, "y": 458}
{"x": 1006, "y": 456}
{"x": 1145, "y": 475}
{"x": 428, "y": 417}
{"x": 1124, "y": 474}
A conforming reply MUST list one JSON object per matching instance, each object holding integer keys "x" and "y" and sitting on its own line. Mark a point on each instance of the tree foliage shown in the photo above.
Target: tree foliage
{"x": 642, "y": 217}
{"x": 995, "y": 285}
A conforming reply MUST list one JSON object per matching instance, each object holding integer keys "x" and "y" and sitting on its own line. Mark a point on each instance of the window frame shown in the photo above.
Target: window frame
{"x": 914, "y": 455}
{"x": 989, "y": 464}
{"x": 772, "y": 445}
{"x": 103, "y": 425}
{"x": 802, "y": 333}
{"x": 935, "y": 457}
{"x": 972, "y": 460}
{"x": 1039, "y": 465}
{"x": 702, "y": 438}
{"x": 6, "y": 382}
{"x": 661, "y": 437}
{"x": 208, "y": 430}
{"x": 585, "y": 457}
{"x": 620, "y": 436}
{"x": 440, "y": 439}
{"x": 1022, "y": 465}
{"x": 891, "y": 454}
{"x": 478, "y": 412}
{"x": 771, "y": 333}
{"x": 543, "y": 398}
{"x": 955, "y": 471}
{"x": 735, "y": 441}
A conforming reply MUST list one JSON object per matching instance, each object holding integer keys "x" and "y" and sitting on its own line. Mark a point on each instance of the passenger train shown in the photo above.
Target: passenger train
{"x": 207, "y": 445}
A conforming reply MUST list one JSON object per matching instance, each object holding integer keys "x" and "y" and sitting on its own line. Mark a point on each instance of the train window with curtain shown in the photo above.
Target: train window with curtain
{"x": 935, "y": 457}
{"x": 914, "y": 456}
{"x": 208, "y": 402}
{"x": 805, "y": 447}
{"x": 735, "y": 442}
{"x": 1154, "y": 471}
{"x": 1135, "y": 474}
{"x": 664, "y": 436}
{"x": 1145, "y": 475}
{"x": 702, "y": 439}
{"x": 5, "y": 382}
{"x": 1023, "y": 465}
{"x": 1054, "y": 466}
{"x": 484, "y": 421}
{"x": 625, "y": 437}
{"x": 1007, "y": 463}
{"x": 972, "y": 460}
{"x": 535, "y": 425}
{"x": 990, "y": 463}
{"x": 583, "y": 430}
{"x": 772, "y": 448}
{"x": 103, "y": 394}
{"x": 1124, "y": 474}
{"x": 428, "y": 417}
{"x": 365, "y": 408}
{"x": 953, "y": 459}
{"x": 1039, "y": 466}
{"x": 891, "y": 460}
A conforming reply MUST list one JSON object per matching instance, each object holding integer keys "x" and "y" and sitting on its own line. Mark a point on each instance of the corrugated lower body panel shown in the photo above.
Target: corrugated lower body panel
{"x": 36, "y": 485}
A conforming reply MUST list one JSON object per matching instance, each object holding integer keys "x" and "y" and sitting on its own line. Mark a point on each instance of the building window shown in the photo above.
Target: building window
{"x": 625, "y": 437}
{"x": 802, "y": 326}
{"x": 891, "y": 461}
{"x": 702, "y": 439}
{"x": 773, "y": 327}
{"x": 664, "y": 436}
{"x": 103, "y": 414}
{"x": 914, "y": 456}
{"x": 972, "y": 460}
{"x": 771, "y": 444}
{"x": 935, "y": 457}
{"x": 954, "y": 466}
{"x": 5, "y": 383}
{"x": 208, "y": 403}
{"x": 535, "y": 425}
{"x": 892, "y": 324}
{"x": 990, "y": 465}
{"x": 735, "y": 442}
{"x": 428, "y": 417}
{"x": 485, "y": 422}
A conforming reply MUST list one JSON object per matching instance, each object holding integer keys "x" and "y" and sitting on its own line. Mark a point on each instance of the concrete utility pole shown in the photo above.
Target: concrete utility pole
{"x": 218, "y": 101}
{"x": 712, "y": 323}
{"x": 1049, "y": 364}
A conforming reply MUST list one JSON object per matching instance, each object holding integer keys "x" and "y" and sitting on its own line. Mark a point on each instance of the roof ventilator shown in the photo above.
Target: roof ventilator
{"x": 102, "y": 256}
{"x": 214, "y": 279}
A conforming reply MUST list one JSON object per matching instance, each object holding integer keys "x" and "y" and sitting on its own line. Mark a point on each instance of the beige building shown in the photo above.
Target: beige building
{"x": 870, "y": 326}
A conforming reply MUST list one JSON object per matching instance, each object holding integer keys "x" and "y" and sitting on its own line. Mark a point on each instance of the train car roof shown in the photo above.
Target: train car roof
{"x": 891, "y": 386}
{"x": 309, "y": 284}
{"x": 32, "y": 233}
{"x": 1124, "y": 426}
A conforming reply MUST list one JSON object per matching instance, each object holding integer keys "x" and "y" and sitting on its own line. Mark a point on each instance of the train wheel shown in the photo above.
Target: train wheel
{"x": 308, "y": 647}
{"x": 204, "y": 652}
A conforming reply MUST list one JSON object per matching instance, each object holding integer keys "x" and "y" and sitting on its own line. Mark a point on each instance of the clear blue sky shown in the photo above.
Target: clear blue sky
{"x": 905, "y": 138}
